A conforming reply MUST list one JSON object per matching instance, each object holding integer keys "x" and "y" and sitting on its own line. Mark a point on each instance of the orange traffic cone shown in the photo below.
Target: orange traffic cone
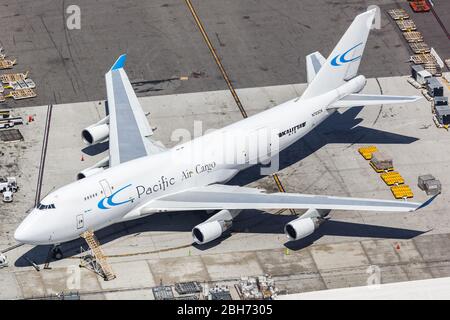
{"x": 82, "y": 158}
{"x": 397, "y": 246}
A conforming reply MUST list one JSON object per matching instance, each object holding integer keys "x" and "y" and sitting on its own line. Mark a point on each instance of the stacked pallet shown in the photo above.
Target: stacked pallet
{"x": 421, "y": 50}
{"x": 21, "y": 87}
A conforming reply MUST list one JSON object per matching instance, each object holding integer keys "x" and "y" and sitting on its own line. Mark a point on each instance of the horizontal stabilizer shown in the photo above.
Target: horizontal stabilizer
{"x": 356, "y": 100}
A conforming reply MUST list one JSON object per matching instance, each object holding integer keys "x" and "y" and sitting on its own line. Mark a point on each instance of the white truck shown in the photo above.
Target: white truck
{"x": 10, "y": 122}
{"x": 8, "y": 196}
{"x": 3, "y": 261}
{"x": 8, "y": 186}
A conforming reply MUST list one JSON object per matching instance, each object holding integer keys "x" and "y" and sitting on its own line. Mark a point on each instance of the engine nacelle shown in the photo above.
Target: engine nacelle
{"x": 213, "y": 228}
{"x": 305, "y": 225}
{"x": 88, "y": 172}
{"x": 95, "y": 134}
{"x": 96, "y": 168}
{"x": 300, "y": 228}
{"x": 208, "y": 231}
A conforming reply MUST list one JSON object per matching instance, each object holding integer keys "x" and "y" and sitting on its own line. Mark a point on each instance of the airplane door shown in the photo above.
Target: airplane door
{"x": 106, "y": 187}
{"x": 80, "y": 221}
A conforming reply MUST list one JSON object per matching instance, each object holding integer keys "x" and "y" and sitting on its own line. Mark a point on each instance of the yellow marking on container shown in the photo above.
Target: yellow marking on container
{"x": 21, "y": 94}
{"x": 420, "y": 48}
{"x": 392, "y": 178}
{"x": 367, "y": 152}
{"x": 413, "y": 36}
{"x": 402, "y": 191}
{"x": 398, "y": 14}
{"x": 7, "y": 64}
{"x": 11, "y": 77}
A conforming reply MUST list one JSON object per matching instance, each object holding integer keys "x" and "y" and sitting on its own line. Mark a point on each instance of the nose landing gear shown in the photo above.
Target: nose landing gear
{"x": 57, "y": 253}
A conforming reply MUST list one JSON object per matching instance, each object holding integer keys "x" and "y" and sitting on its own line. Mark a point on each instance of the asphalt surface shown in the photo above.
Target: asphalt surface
{"x": 261, "y": 43}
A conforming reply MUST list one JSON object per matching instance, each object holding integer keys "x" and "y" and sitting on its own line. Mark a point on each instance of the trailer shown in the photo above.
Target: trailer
{"x": 10, "y": 122}
{"x": 435, "y": 87}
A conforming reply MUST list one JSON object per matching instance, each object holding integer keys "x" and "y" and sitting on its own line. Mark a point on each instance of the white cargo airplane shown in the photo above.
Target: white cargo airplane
{"x": 143, "y": 177}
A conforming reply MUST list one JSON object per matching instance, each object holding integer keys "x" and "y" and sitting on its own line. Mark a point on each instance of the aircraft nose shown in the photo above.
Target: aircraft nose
{"x": 28, "y": 231}
{"x": 24, "y": 232}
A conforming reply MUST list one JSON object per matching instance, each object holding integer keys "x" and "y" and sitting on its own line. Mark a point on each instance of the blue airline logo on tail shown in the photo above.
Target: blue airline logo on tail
{"x": 340, "y": 59}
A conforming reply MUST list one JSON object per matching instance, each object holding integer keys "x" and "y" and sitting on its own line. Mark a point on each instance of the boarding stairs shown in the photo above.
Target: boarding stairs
{"x": 98, "y": 260}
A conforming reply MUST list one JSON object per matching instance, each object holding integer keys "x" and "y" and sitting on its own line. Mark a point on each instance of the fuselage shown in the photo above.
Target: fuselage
{"x": 120, "y": 193}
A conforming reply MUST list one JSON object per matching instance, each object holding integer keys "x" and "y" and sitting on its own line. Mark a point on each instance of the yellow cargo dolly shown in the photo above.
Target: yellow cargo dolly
{"x": 413, "y": 36}
{"x": 398, "y": 14}
{"x": 392, "y": 178}
{"x": 433, "y": 68}
{"x": 406, "y": 25}
{"x": 423, "y": 58}
{"x": 21, "y": 94}
{"x": 420, "y": 47}
{"x": 401, "y": 192}
{"x": 7, "y": 64}
{"x": 380, "y": 170}
{"x": 11, "y": 77}
{"x": 366, "y": 152}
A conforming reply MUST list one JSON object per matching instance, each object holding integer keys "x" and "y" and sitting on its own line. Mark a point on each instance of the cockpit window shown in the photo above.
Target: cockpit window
{"x": 41, "y": 206}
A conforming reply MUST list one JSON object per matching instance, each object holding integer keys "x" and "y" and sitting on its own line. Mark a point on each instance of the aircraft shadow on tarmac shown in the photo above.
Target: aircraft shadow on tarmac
{"x": 338, "y": 128}
{"x": 249, "y": 221}
{"x": 95, "y": 149}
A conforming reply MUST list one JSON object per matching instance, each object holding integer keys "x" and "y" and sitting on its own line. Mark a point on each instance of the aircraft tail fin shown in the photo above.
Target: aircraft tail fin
{"x": 343, "y": 62}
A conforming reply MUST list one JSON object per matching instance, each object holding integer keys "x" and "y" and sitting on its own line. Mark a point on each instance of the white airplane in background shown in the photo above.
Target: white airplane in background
{"x": 142, "y": 177}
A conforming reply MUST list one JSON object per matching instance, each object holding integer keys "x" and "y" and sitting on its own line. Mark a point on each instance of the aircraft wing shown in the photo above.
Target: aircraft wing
{"x": 218, "y": 197}
{"x": 129, "y": 130}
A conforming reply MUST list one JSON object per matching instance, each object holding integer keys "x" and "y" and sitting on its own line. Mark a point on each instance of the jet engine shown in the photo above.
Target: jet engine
{"x": 306, "y": 224}
{"x": 96, "y": 133}
{"x": 96, "y": 168}
{"x": 88, "y": 172}
{"x": 213, "y": 228}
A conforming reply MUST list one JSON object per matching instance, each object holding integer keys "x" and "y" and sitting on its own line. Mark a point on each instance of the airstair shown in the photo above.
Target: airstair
{"x": 96, "y": 260}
